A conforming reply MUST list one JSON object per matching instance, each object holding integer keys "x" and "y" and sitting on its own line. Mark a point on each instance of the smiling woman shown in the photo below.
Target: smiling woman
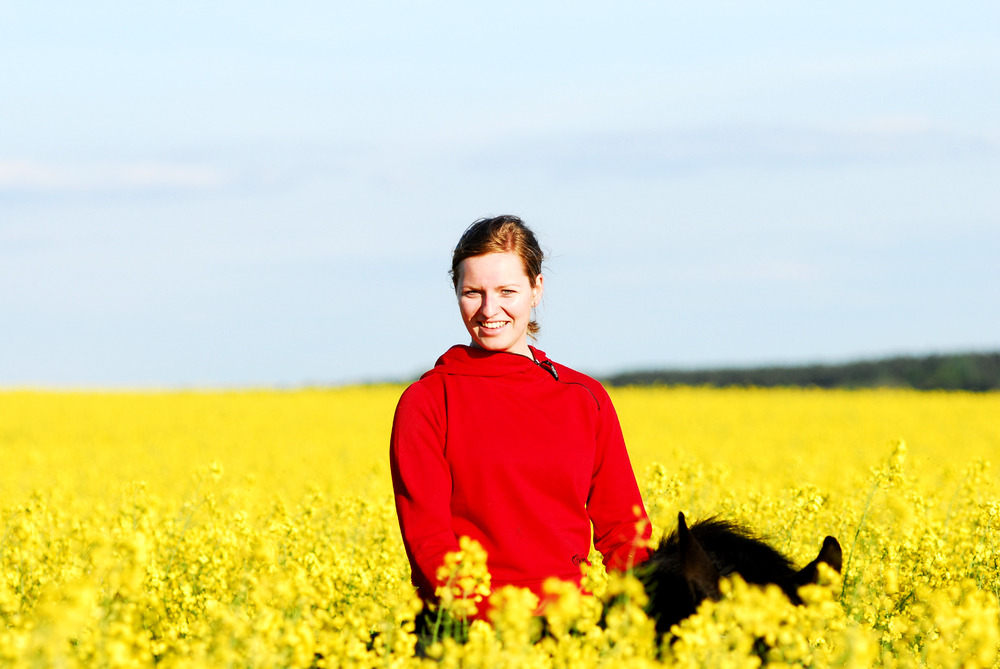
{"x": 500, "y": 444}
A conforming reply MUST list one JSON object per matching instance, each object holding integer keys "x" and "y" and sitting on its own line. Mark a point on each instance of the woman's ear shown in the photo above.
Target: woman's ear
{"x": 536, "y": 290}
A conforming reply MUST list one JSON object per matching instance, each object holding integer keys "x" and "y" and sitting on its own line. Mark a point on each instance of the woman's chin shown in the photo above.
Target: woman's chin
{"x": 496, "y": 346}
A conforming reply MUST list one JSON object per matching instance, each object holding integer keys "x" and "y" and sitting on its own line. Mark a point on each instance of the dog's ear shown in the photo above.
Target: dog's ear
{"x": 701, "y": 575}
{"x": 830, "y": 554}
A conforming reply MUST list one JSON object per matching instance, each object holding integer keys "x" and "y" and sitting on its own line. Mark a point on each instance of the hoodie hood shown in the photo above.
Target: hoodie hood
{"x": 460, "y": 360}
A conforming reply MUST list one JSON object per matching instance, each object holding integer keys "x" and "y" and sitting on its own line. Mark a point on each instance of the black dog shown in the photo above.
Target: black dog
{"x": 686, "y": 567}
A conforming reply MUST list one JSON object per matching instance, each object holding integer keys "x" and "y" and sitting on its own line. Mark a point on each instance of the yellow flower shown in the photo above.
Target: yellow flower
{"x": 204, "y": 529}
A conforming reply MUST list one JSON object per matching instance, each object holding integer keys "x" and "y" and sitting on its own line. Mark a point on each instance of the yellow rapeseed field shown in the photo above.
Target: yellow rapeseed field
{"x": 256, "y": 528}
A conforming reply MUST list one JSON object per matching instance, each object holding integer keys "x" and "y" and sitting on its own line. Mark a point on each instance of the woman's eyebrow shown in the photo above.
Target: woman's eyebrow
{"x": 505, "y": 286}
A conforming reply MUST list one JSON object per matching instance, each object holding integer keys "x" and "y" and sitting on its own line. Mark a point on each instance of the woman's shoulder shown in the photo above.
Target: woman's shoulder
{"x": 570, "y": 375}
{"x": 422, "y": 399}
{"x": 427, "y": 385}
{"x": 592, "y": 384}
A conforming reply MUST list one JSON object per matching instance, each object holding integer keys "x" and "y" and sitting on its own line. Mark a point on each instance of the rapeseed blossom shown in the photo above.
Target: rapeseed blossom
{"x": 257, "y": 528}
{"x": 464, "y": 578}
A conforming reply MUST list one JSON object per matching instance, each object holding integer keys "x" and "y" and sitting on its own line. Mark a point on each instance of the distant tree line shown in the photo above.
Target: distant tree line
{"x": 965, "y": 371}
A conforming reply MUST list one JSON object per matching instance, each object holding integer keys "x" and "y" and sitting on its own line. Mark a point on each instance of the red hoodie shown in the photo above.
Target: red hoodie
{"x": 524, "y": 457}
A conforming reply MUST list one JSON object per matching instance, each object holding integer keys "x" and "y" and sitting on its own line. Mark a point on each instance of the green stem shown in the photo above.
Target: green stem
{"x": 857, "y": 533}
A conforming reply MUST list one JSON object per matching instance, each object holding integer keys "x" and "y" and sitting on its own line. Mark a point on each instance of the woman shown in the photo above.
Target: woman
{"x": 503, "y": 445}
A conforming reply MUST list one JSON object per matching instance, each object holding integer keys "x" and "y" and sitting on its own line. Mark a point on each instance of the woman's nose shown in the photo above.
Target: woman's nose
{"x": 489, "y": 305}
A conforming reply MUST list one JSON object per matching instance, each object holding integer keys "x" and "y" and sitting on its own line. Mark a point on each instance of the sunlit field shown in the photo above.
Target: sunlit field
{"x": 257, "y": 528}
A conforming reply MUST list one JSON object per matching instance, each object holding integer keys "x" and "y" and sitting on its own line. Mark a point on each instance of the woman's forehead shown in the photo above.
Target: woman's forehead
{"x": 504, "y": 267}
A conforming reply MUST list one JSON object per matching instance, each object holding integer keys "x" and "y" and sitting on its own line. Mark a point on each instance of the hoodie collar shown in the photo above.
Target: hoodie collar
{"x": 464, "y": 360}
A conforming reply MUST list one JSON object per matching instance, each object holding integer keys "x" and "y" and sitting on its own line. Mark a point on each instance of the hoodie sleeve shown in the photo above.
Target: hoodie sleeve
{"x": 421, "y": 481}
{"x": 621, "y": 526}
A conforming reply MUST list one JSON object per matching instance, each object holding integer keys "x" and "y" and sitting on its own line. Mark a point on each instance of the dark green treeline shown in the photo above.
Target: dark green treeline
{"x": 965, "y": 371}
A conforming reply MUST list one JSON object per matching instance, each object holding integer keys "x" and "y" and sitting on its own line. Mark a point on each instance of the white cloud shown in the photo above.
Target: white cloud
{"x": 23, "y": 175}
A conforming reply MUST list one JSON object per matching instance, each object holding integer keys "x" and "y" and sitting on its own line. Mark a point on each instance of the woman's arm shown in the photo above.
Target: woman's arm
{"x": 621, "y": 526}
{"x": 421, "y": 481}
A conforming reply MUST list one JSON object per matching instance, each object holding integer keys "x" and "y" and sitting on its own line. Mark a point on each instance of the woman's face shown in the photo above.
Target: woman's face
{"x": 495, "y": 298}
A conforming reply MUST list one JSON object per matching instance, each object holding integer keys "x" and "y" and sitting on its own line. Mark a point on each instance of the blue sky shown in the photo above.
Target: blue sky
{"x": 231, "y": 194}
